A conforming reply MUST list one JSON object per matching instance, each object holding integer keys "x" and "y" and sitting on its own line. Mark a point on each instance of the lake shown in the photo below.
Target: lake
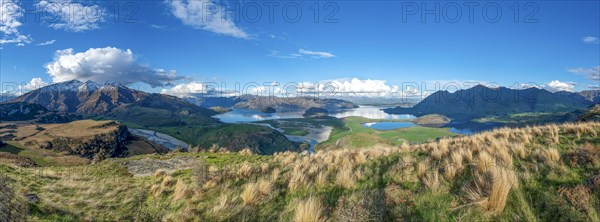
{"x": 247, "y": 115}
{"x": 371, "y": 112}
{"x": 388, "y": 125}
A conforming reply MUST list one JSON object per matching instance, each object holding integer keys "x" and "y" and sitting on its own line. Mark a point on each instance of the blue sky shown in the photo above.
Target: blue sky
{"x": 168, "y": 43}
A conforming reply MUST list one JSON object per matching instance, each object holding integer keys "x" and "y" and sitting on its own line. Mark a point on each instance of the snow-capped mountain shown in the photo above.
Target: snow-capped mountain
{"x": 97, "y": 99}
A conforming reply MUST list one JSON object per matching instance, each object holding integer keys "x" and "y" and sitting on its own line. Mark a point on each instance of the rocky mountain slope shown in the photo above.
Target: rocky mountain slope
{"x": 591, "y": 115}
{"x": 591, "y": 95}
{"x": 482, "y": 101}
{"x": 22, "y": 111}
{"x": 96, "y": 99}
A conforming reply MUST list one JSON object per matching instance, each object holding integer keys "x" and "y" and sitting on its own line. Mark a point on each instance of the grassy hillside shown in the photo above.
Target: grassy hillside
{"x": 546, "y": 173}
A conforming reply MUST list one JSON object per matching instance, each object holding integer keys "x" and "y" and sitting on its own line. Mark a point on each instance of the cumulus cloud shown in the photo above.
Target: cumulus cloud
{"x": 207, "y": 15}
{"x": 590, "y": 40}
{"x": 106, "y": 65}
{"x": 10, "y": 13}
{"x": 556, "y": 86}
{"x": 591, "y": 73}
{"x": 72, "y": 16}
{"x": 33, "y": 84}
{"x": 49, "y": 42}
{"x": 183, "y": 89}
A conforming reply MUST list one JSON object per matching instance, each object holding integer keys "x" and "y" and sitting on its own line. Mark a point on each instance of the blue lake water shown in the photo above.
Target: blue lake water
{"x": 247, "y": 115}
{"x": 388, "y": 125}
{"x": 371, "y": 112}
{"x": 465, "y": 131}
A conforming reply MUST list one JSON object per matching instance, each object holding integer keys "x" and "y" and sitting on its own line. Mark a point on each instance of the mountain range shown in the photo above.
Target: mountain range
{"x": 164, "y": 113}
{"x": 101, "y": 99}
{"x": 255, "y": 102}
{"x": 481, "y": 101}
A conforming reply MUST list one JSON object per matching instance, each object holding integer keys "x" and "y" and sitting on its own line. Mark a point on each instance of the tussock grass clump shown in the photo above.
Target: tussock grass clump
{"x": 322, "y": 179}
{"x": 345, "y": 177}
{"x": 256, "y": 191}
{"x": 550, "y": 155}
{"x": 246, "y": 170}
{"x": 310, "y": 210}
{"x": 246, "y": 152}
{"x": 251, "y": 194}
{"x": 490, "y": 189}
{"x": 182, "y": 190}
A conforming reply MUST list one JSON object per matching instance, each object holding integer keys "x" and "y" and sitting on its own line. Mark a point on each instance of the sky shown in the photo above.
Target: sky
{"x": 381, "y": 48}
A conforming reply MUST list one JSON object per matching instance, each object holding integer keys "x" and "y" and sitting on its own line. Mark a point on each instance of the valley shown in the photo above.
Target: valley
{"x": 168, "y": 156}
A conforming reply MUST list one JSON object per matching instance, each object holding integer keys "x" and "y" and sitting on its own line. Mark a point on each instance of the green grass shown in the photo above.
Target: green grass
{"x": 42, "y": 157}
{"x": 294, "y": 131}
{"x": 358, "y": 136}
{"x": 415, "y": 134}
{"x": 11, "y": 149}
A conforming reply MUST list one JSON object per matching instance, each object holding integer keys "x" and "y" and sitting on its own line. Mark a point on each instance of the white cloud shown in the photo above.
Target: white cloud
{"x": 49, "y": 42}
{"x": 10, "y": 13}
{"x": 316, "y": 54}
{"x": 183, "y": 89}
{"x": 302, "y": 54}
{"x": 72, "y": 16}
{"x": 591, "y": 73}
{"x": 275, "y": 53}
{"x": 590, "y": 40}
{"x": 158, "y": 26}
{"x": 207, "y": 15}
{"x": 555, "y": 86}
{"x": 34, "y": 84}
{"x": 106, "y": 65}
{"x": 357, "y": 88}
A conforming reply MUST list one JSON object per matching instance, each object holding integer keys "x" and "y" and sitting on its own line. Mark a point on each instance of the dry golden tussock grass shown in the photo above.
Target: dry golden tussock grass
{"x": 550, "y": 155}
{"x": 246, "y": 170}
{"x": 345, "y": 177}
{"x": 298, "y": 179}
{"x": 246, "y": 152}
{"x": 310, "y": 210}
{"x": 251, "y": 194}
{"x": 182, "y": 190}
{"x": 490, "y": 189}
